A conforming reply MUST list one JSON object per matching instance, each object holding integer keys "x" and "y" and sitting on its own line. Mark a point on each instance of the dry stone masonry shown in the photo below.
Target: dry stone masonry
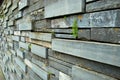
{"x": 37, "y": 41}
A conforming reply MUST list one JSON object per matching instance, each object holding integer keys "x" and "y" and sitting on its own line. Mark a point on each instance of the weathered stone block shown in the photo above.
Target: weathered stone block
{"x": 41, "y": 36}
{"x": 79, "y": 73}
{"x": 106, "y": 34}
{"x": 25, "y": 23}
{"x": 15, "y": 5}
{"x": 19, "y": 72}
{"x": 41, "y": 25}
{"x": 63, "y": 7}
{"x": 43, "y": 74}
{"x": 16, "y": 38}
{"x": 98, "y": 19}
{"x": 20, "y": 54}
{"x": 102, "y": 5}
{"x": 100, "y": 52}
{"x": 63, "y": 76}
{"x": 39, "y": 50}
{"x": 21, "y": 64}
{"x": 105, "y": 19}
{"x": 17, "y": 33}
{"x": 9, "y": 3}
{"x": 18, "y": 15}
{"x": 23, "y": 39}
{"x": 23, "y": 45}
{"x": 38, "y": 5}
{"x": 89, "y": 0}
{"x": 23, "y": 4}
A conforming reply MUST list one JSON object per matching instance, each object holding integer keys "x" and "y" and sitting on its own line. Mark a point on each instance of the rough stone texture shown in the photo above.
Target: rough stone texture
{"x": 79, "y": 73}
{"x": 41, "y": 36}
{"x": 95, "y": 51}
{"x": 63, "y": 7}
{"x": 102, "y": 5}
{"x": 39, "y": 50}
{"x": 106, "y": 34}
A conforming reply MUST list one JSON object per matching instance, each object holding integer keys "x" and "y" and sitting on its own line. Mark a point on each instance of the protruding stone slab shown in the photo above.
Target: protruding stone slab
{"x": 88, "y": 20}
{"x": 63, "y": 76}
{"x": 25, "y": 23}
{"x": 23, "y": 4}
{"x": 24, "y": 45}
{"x": 100, "y": 52}
{"x": 18, "y": 15}
{"x": 21, "y": 64}
{"x": 16, "y": 38}
{"x": 102, "y": 5}
{"x": 20, "y": 53}
{"x": 43, "y": 74}
{"x": 15, "y": 5}
{"x": 41, "y": 36}
{"x": 63, "y": 7}
{"x": 89, "y": 0}
{"x": 39, "y": 50}
{"x": 79, "y": 73}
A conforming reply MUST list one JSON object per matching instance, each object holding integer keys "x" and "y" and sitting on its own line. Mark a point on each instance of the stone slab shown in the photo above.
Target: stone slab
{"x": 106, "y": 34}
{"x": 41, "y": 25}
{"x": 63, "y": 76}
{"x": 39, "y": 50}
{"x": 100, "y": 52}
{"x": 106, "y": 69}
{"x": 102, "y": 5}
{"x": 79, "y": 73}
{"x": 18, "y": 15}
{"x": 23, "y": 45}
{"x": 42, "y": 73}
{"x": 25, "y": 23}
{"x": 23, "y": 4}
{"x": 41, "y": 36}
{"x": 21, "y": 64}
{"x": 89, "y": 0}
{"x": 20, "y": 54}
{"x": 15, "y": 5}
{"x": 15, "y": 38}
{"x": 63, "y": 7}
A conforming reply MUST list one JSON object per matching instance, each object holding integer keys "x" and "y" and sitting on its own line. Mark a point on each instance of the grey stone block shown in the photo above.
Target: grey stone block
{"x": 18, "y": 15}
{"x": 39, "y": 50}
{"x": 15, "y": 38}
{"x": 20, "y": 54}
{"x": 100, "y": 52}
{"x": 42, "y": 73}
{"x": 23, "y": 4}
{"x": 9, "y": 3}
{"x": 23, "y": 39}
{"x": 38, "y": 5}
{"x": 89, "y": 0}
{"x": 41, "y": 36}
{"x": 108, "y": 18}
{"x": 63, "y": 76}
{"x": 79, "y": 73}
{"x": 15, "y": 5}
{"x": 102, "y": 5}
{"x": 106, "y": 34}
{"x": 25, "y": 23}
{"x": 63, "y": 7}
{"x": 41, "y": 25}
{"x": 23, "y": 45}
{"x": 19, "y": 72}
{"x": 21, "y": 64}
{"x": 17, "y": 33}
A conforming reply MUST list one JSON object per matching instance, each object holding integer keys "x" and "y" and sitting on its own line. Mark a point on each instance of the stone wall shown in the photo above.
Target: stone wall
{"x": 60, "y": 39}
